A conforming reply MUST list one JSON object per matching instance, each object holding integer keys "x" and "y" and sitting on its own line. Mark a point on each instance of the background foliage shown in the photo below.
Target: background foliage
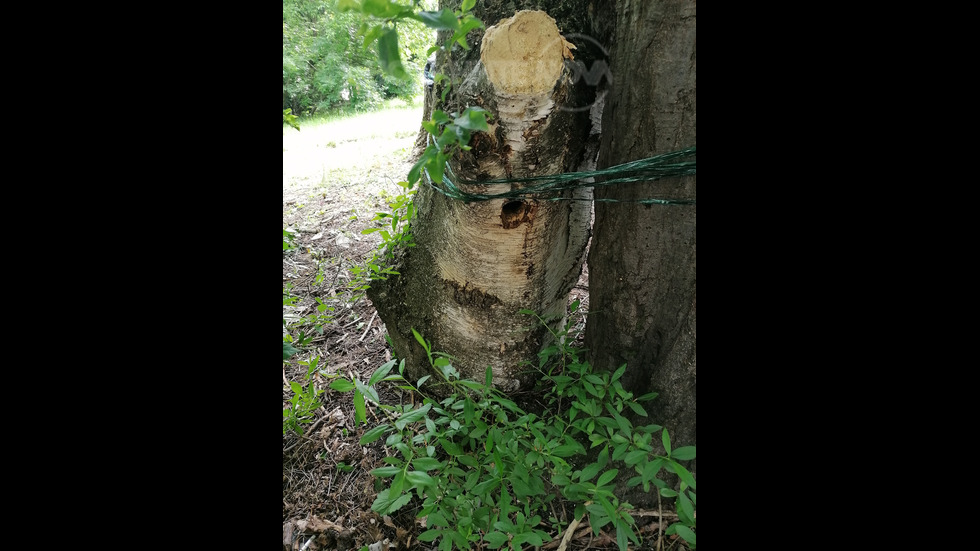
{"x": 326, "y": 67}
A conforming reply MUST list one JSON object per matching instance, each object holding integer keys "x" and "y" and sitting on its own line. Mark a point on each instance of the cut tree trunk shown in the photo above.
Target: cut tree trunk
{"x": 477, "y": 264}
{"x": 643, "y": 259}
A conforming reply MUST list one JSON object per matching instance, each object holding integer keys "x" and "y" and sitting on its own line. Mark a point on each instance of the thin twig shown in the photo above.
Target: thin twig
{"x": 568, "y": 535}
{"x": 667, "y": 515}
{"x": 303, "y": 438}
{"x": 317, "y": 423}
{"x": 660, "y": 523}
{"x": 368, "y": 326}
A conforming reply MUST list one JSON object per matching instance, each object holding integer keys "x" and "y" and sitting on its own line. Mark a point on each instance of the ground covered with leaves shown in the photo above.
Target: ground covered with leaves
{"x": 336, "y": 176}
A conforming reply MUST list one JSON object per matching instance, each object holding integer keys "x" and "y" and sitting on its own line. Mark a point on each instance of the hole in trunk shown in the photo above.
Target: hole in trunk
{"x": 512, "y": 214}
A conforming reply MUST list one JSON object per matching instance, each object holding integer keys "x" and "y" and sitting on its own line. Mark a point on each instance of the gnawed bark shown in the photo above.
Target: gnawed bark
{"x": 476, "y": 265}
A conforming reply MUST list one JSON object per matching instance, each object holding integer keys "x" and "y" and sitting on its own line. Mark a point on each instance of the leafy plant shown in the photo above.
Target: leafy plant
{"x": 287, "y": 299}
{"x": 304, "y": 403}
{"x": 450, "y": 134}
{"x": 484, "y": 471}
{"x": 288, "y": 238}
{"x": 289, "y": 118}
{"x": 325, "y": 67}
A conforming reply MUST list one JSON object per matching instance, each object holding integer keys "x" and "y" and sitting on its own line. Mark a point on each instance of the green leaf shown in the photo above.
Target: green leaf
{"x": 386, "y": 503}
{"x": 382, "y": 472}
{"x": 436, "y": 519}
{"x": 472, "y": 385}
{"x": 637, "y": 408}
{"x": 684, "y": 453}
{"x": 372, "y": 34}
{"x": 347, "y": 5}
{"x": 419, "y": 478}
{"x": 359, "y": 412}
{"x": 440, "y": 117}
{"x": 589, "y": 472}
{"x": 684, "y": 474}
{"x": 486, "y": 486}
{"x": 467, "y": 5}
{"x": 634, "y": 457}
{"x": 481, "y": 429}
{"x": 415, "y": 173}
{"x": 381, "y": 372}
{"x": 412, "y": 416}
{"x": 439, "y": 20}
{"x": 495, "y": 539}
{"x": 288, "y": 350}
{"x": 427, "y": 463}
{"x": 429, "y": 535}
{"x": 607, "y": 477}
{"x": 686, "y": 533}
{"x": 388, "y": 54}
{"x": 666, "y": 440}
{"x": 619, "y": 372}
{"x": 468, "y": 24}
{"x": 648, "y": 396}
{"x": 527, "y": 537}
{"x": 625, "y": 526}
{"x": 368, "y": 391}
{"x": 521, "y": 489}
{"x": 399, "y": 503}
{"x": 451, "y": 447}
{"x": 651, "y": 469}
{"x": 473, "y": 118}
{"x": 686, "y": 506}
{"x": 421, "y": 340}
{"x": 621, "y": 536}
{"x": 566, "y": 450}
{"x": 381, "y": 8}
{"x": 603, "y": 458}
{"x": 373, "y": 434}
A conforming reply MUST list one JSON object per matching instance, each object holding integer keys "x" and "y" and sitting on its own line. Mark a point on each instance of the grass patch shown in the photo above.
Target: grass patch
{"x": 348, "y": 113}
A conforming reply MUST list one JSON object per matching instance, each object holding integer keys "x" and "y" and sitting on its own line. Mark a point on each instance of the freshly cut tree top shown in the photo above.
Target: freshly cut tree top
{"x": 524, "y": 54}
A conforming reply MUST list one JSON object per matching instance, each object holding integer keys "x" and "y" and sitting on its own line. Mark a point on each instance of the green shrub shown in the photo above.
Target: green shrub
{"x": 304, "y": 403}
{"x": 484, "y": 471}
{"x": 328, "y": 64}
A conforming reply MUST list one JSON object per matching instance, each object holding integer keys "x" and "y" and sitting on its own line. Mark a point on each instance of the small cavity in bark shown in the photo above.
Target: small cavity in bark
{"x": 512, "y": 214}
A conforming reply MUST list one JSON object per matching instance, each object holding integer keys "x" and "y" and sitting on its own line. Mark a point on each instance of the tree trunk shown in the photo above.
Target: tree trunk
{"x": 643, "y": 258}
{"x": 476, "y": 265}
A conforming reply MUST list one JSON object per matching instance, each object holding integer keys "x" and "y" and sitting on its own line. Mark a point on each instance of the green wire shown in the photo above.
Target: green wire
{"x": 643, "y": 170}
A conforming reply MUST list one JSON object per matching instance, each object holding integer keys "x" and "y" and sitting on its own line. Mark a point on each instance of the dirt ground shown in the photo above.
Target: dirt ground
{"x": 335, "y": 178}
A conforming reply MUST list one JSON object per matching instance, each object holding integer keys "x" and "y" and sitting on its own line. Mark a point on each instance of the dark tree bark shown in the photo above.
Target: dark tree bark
{"x": 476, "y": 265}
{"x": 643, "y": 259}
